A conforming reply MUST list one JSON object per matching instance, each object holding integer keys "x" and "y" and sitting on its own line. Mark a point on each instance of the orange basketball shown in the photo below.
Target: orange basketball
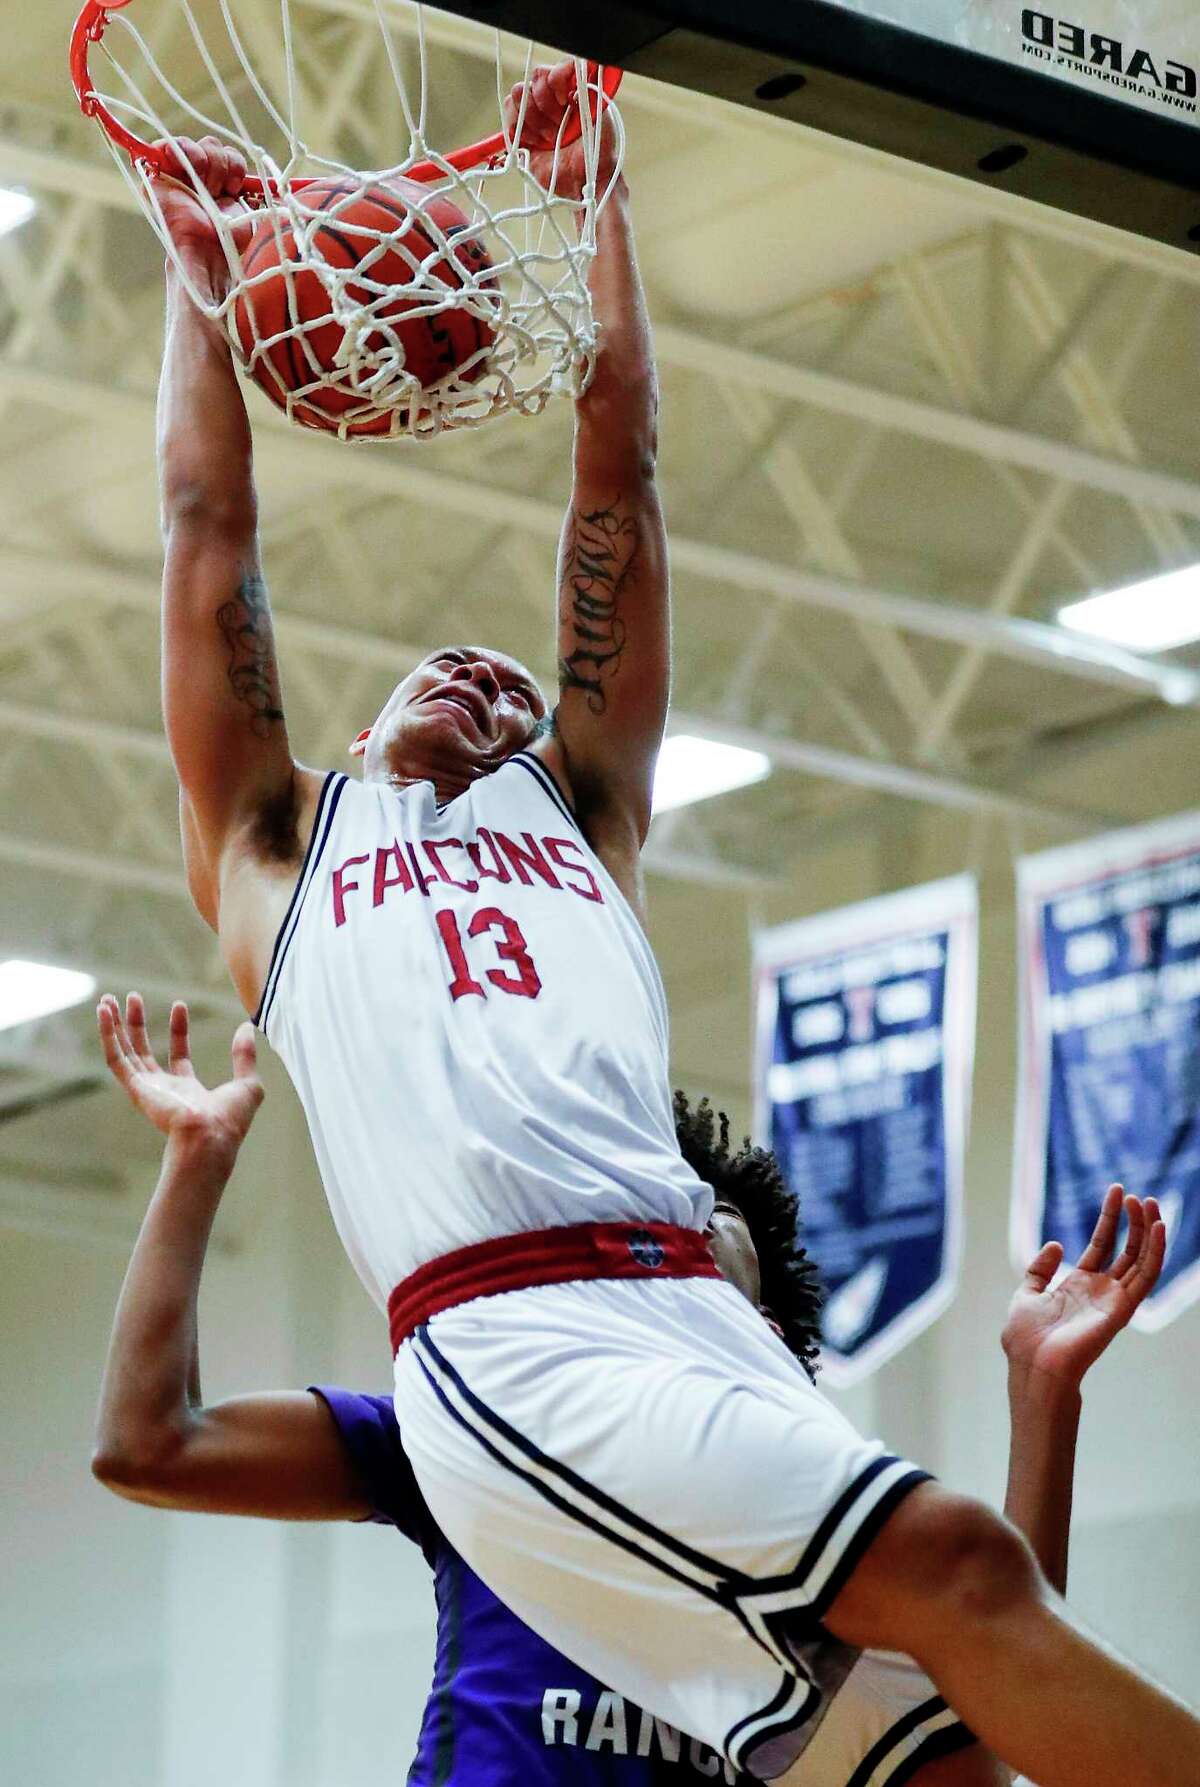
{"x": 434, "y": 346}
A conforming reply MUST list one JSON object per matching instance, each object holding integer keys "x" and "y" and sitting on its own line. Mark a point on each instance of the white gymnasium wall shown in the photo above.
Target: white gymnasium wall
{"x": 145, "y": 1649}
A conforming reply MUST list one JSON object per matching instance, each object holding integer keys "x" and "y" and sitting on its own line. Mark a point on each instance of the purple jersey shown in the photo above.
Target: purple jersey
{"x": 505, "y": 1708}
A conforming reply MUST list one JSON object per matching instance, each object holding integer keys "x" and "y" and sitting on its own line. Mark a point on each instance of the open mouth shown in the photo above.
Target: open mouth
{"x": 471, "y": 703}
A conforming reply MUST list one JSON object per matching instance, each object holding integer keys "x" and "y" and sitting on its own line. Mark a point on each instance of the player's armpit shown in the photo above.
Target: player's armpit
{"x": 201, "y": 880}
{"x": 278, "y": 1457}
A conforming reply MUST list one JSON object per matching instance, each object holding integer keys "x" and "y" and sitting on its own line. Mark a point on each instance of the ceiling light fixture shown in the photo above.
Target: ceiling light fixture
{"x": 16, "y": 208}
{"x": 691, "y": 769}
{"x": 1151, "y": 616}
{"x": 30, "y": 990}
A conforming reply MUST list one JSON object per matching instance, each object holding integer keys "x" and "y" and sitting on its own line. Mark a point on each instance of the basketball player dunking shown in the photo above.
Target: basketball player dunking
{"x": 505, "y": 1709}
{"x": 448, "y": 955}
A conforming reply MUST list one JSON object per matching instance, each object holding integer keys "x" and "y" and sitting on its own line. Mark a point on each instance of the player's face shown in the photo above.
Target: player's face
{"x": 459, "y": 714}
{"x": 733, "y": 1251}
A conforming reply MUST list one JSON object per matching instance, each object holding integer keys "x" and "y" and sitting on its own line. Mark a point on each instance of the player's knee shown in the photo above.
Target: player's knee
{"x": 940, "y": 1562}
{"x": 981, "y": 1567}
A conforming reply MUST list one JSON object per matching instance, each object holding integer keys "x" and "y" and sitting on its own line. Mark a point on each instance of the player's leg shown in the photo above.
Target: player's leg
{"x": 711, "y": 1538}
{"x": 951, "y": 1584}
{"x": 626, "y": 1526}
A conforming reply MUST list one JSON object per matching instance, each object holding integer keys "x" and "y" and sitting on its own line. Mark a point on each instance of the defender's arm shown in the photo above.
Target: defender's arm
{"x": 1056, "y": 1330}
{"x": 278, "y": 1456}
{"x": 275, "y": 1456}
{"x": 1041, "y": 1468}
{"x": 1052, "y": 1339}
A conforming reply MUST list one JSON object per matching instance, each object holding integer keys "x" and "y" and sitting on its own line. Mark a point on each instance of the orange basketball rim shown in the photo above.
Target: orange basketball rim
{"x": 89, "y": 30}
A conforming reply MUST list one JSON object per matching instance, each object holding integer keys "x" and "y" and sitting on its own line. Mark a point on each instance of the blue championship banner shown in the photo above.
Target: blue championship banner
{"x": 1110, "y": 1044}
{"x": 865, "y": 1039}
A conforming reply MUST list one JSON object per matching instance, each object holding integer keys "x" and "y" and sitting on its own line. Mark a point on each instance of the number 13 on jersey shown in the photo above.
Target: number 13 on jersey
{"x": 509, "y": 945}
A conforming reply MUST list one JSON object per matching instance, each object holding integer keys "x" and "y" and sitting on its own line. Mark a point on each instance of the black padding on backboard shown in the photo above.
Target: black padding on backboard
{"x": 945, "y": 74}
{"x": 994, "y": 122}
{"x": 612, "y": 34}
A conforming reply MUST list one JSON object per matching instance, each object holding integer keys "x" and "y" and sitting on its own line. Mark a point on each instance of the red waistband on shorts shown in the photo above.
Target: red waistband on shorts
{"x": 546, "y": 1256}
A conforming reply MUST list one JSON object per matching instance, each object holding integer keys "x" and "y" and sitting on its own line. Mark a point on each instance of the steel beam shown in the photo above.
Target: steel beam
{"x": 697, "y": 353}
{"x": 787, "y": 471}
{"x": 910, "y": 781}
{"x": 1010, "y": 586}
{"x": 99, "y": 870}
{"x": 398, "y": 475}
{"x": 927, "y": 421}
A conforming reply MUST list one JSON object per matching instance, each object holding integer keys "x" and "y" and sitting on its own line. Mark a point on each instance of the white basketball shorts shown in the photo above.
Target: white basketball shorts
{"x": 646, "y": 1476}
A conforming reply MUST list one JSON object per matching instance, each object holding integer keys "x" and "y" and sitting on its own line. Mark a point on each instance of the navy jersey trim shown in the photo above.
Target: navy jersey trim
{"x": 773, "y": 1721}
{"x": 548, "y": 785}
{"x": 327, "y": 806}
{"x": 862, "y": 1537}
{"x": 789, "y": 1594}
{"x": 811, "y": 1555}
{"x": 942, "y": 1742}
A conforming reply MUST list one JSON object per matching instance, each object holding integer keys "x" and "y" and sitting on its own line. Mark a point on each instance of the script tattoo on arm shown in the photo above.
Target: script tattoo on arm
{"x": 245, "y": 624}
{"x": 600, "y": 551}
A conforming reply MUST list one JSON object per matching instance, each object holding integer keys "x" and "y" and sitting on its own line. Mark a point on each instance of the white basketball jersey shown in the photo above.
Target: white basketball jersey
{"x": 475, "y": 1023}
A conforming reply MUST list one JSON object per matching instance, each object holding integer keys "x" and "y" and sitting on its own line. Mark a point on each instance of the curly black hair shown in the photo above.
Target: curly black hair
{"x": 752, "y": 1181}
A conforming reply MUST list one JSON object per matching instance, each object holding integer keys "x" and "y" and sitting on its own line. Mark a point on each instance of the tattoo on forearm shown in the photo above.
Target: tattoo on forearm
{"x": 601, "y": 550}
{"x": 245, "y": 623}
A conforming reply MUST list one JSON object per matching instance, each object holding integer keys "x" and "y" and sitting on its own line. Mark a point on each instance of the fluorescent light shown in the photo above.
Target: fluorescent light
{"x": 1151, "y": 616}
{"x": 16, "y": 208}
{"x": 31, "y": 990}
{"x": 691, "y": 768}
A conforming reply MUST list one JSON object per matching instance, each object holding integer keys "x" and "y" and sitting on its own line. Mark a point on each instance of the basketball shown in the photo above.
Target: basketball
{"x": 435, "y": 345}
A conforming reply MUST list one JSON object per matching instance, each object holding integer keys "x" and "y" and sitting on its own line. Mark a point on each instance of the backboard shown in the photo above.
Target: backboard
{"x": 1093, "y": 111}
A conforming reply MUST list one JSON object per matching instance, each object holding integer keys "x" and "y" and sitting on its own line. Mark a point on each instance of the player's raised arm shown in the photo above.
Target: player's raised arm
{"x": 221, "y": 692}
{"x": 613, "y": 595}
{"x": 277, "y": 1456}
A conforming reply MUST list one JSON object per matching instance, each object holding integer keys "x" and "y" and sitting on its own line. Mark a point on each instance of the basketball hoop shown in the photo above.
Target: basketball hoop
{"x": 521, "y": 285}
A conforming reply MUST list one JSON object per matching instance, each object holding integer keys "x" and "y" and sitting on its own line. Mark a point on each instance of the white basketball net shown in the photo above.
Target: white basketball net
{"x": 533, "y": 298}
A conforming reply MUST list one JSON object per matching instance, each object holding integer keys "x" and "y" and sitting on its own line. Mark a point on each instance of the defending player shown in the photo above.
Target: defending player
{"x": 513, "y": 1710}
{"x": 449, "y": 959}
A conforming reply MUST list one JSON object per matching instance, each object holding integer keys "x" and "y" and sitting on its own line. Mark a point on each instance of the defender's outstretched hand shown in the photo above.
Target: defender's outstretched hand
{"x": 1060, "y": 1330}
{"x": 172, "y": 1097}
{"x": 551, "y": 96}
